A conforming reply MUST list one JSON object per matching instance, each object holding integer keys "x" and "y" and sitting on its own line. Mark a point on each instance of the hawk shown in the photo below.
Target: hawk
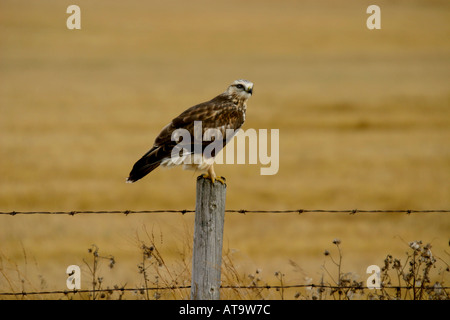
{"x": 224, "y": 113}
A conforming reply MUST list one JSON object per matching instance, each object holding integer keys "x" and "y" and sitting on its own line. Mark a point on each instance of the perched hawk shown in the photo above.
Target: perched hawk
{"x": 224, "y": 113}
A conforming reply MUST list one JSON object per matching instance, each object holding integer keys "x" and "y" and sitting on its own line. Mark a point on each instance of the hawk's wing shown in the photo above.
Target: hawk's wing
{"x": 219, "y": 113}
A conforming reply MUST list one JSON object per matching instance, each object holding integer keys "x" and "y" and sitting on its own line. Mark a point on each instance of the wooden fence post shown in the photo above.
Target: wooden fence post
{"x": 208, "y": 240}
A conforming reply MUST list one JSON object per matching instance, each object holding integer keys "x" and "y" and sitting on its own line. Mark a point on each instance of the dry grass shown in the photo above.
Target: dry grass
{"x": 364, "y": 119}
{"x": 419, "y": 275}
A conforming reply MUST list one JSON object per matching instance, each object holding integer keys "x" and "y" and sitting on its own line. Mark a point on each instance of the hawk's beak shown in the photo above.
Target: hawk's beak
{"x": 250, "y": 90}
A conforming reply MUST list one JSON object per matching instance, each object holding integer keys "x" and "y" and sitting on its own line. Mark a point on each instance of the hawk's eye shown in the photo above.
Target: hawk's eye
{"x": 240, "y": 86}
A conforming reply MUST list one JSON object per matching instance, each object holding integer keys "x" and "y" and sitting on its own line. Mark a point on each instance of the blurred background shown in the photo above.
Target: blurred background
{"x": 364, "y": 120}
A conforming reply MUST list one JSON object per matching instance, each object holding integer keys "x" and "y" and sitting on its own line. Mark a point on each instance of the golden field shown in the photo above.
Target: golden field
{"x": 364, "y": 120}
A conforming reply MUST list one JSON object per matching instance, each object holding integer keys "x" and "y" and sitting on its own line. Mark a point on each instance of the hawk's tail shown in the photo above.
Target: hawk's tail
{"x": 149, "y": 162}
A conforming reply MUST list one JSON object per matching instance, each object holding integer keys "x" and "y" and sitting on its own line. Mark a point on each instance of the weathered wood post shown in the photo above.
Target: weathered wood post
{"x": 208, "y": 239}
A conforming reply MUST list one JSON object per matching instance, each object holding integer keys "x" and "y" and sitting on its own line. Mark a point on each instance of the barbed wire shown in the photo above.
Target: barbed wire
{"x": 242, "y": 211}
{"x": 235, "y": 287}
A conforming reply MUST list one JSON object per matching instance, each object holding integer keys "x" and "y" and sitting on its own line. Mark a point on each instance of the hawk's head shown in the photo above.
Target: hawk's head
{"x": 241, "y": 89}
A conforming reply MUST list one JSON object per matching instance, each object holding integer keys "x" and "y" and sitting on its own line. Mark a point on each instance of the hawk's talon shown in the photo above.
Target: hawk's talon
{"x": 222, "y": 180}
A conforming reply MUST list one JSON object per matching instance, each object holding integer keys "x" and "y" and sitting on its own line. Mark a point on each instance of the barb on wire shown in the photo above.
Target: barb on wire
{"x": 242, "y": 211}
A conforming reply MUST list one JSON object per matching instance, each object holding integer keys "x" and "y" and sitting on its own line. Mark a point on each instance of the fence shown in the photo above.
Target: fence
{"x": 242, "y": 211}
{"x": 263, "y": 287}
{"x": 207, "y": 247}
